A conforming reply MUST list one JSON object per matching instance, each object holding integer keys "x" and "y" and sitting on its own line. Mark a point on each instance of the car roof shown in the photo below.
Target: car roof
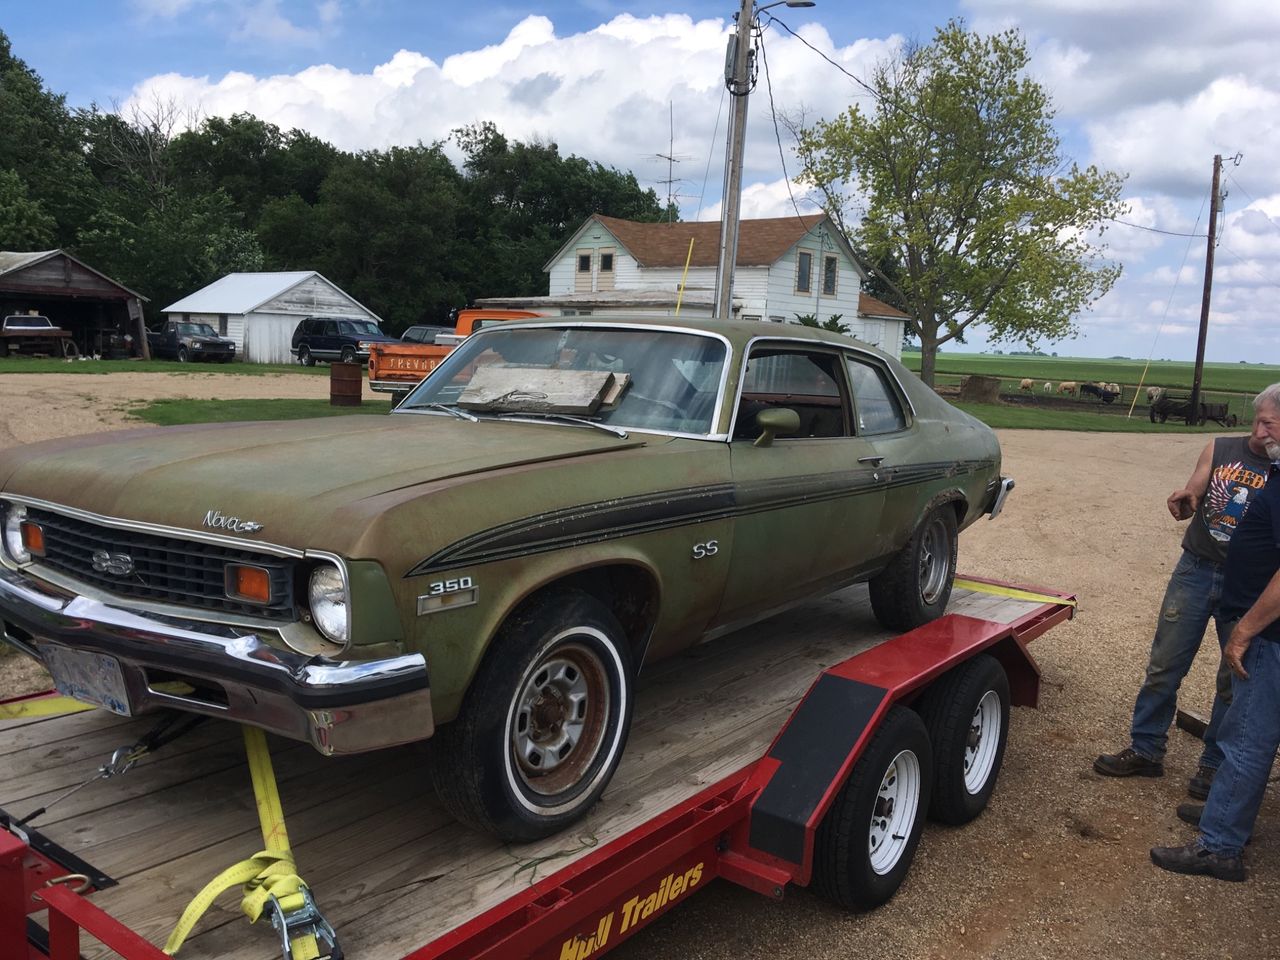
{"x": 737, "y": 332}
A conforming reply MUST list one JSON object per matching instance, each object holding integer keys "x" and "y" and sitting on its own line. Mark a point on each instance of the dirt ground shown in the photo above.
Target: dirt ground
{"x": 1058, "y": 866}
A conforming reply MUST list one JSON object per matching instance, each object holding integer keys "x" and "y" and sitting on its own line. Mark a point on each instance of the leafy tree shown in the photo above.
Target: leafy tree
{"x": 40, "y": 143}
{"x": 524, "y": 198}
{"x": 967, "y": 191}
{"x": 24, "y": 224}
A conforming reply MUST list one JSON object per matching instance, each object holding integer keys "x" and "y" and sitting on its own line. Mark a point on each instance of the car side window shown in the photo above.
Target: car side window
{"x": 808, "y": 383}
{"x": 329, "y": 328}
{"x": 876, "y": 405}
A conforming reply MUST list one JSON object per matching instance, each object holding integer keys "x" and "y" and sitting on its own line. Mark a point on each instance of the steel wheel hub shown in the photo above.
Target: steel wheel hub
{"x": 894, "y": 813}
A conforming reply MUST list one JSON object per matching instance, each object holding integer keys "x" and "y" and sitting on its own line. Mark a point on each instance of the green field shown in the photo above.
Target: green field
{"x": 1237, "y": 378}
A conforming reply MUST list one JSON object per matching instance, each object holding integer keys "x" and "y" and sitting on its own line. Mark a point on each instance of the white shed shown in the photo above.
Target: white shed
{"x": 260, "y": 311}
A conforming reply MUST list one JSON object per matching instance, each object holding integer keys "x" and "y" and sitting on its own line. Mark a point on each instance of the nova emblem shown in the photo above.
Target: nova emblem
{"x": 218, "y": 521}
{"x": 115, "y": 564}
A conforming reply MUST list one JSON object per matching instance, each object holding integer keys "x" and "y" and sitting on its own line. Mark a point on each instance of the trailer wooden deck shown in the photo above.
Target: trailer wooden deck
{"x": 390, "y": 871}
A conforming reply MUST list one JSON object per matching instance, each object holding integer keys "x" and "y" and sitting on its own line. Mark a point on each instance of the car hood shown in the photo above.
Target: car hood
{"x": 295, "y": 478}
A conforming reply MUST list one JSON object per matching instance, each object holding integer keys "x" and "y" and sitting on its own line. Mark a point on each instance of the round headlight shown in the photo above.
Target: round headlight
{"x": 327, "y": 596}
{"x": 14, "y": 514}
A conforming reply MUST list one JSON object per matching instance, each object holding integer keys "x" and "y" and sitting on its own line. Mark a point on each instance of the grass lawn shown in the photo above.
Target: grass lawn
{"x": 55, "y": 365}
{"x": 167, "y": 413}
{"x": 1008, "y": 416}
{"x": 1237, "y": 378}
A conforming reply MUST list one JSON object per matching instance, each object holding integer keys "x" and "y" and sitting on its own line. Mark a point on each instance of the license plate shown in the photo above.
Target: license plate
{"x": 87, "y": 676}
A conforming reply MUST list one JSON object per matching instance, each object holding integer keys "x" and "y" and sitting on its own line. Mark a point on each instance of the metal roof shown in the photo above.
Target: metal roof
{"x": 240, "y": 292}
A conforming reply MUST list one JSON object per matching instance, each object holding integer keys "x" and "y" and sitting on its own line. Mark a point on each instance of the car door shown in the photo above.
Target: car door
{"x": 808, "y": 506}
{"x": 882, "y": 418}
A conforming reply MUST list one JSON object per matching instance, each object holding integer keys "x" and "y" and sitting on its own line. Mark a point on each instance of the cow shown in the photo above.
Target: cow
{"x": 1048, "y": 387}
{"x": 1027, "y": 384}
{"x": 1153, "y": 394}
{"x": 1068, "y": 386}
{"x": 1092, "y": 390}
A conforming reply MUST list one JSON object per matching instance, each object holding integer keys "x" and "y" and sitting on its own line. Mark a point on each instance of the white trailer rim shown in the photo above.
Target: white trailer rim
{"x": 893, "y": 816}
{"x": 981, "y": 743}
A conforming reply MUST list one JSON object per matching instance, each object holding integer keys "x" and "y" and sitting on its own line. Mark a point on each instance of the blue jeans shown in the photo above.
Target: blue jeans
{"x": 1249, "y": 737}
{"x": 1189, "y": 601}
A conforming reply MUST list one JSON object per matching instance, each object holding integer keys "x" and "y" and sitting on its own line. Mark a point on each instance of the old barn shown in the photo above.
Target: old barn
{"x": 103, "y": 316}
{"x": 260, "y": 311}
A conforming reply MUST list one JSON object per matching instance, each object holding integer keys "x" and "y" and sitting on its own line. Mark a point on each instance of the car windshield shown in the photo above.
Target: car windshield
{"x": 196, "y": 330}
{"x": 634, "y": 377}
{"x": 27, "y": 322}
{"x": 359, "y": 328}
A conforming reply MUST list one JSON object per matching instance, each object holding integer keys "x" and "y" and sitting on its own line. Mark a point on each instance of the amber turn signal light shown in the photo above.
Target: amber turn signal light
{"x": 248, "y": 583}
{"x": 32, "y": 538}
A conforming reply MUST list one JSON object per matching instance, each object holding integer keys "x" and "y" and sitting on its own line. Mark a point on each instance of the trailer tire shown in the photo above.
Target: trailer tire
{"x": 966, "y": 712}
{"x": 915, "y": 587}
{"x": 866, "y": 841}
{"x": 513, "y": 763}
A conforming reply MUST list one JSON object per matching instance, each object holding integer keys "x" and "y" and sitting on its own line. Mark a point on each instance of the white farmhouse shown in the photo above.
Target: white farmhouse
{"x": 786, "y": 266}
{"x": 260, "y": 311}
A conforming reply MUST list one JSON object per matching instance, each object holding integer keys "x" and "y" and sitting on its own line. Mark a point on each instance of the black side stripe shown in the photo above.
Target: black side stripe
{"x": 645, "y": 513}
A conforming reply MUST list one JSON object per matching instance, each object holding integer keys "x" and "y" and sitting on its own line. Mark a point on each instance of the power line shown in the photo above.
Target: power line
{"x": 1167, "y": 233}
{"x": 706, "y": 174}
{"x": 777, "y": 134}
{"x": 1254, "y": 270}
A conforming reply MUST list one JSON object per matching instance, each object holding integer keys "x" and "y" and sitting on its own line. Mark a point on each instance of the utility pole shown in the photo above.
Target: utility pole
{"x": 1215, "y": 200}
{"x": 737, "y": 74}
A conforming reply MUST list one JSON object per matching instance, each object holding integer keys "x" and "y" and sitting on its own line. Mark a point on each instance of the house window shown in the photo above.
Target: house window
{"x": 584, "y": 263}
{"x": 804, "y": 272}
{"x": 830, "y": 270}
{"x": 604, "y": 279}
{"x": 606, "y": 262}
{"x": 222, "y": 324}
{"x": 582, "y": 276}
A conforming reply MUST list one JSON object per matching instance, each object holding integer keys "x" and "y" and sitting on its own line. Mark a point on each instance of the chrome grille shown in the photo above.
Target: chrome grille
{"x": 167, "y": 569}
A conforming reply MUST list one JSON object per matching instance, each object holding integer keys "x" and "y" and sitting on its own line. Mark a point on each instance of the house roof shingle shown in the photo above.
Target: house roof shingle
{"x": 869, "y": 306}
{"x": 760, "y": 242}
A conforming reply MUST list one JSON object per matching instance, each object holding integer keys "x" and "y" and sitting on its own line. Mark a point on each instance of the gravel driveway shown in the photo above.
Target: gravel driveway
{"x": 1058, "y": 866}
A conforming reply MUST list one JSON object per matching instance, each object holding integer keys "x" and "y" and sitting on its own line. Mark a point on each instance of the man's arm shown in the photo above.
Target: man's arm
{"x": 1182, "y": 503}
{"x": 1264, "y": 612}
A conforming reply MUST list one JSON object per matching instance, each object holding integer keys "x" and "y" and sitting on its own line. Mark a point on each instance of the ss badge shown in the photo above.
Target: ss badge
{"x": 703, "y": 550}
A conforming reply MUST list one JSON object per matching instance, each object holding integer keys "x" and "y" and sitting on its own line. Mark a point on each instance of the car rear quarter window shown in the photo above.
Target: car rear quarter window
{"x": 875, "y": 402}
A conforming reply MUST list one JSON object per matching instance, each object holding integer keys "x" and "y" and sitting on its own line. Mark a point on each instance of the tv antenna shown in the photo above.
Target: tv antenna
{"x": 672, "y": 159}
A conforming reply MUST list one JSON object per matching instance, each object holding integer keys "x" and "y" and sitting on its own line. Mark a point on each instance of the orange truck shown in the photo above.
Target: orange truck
{"x": 396, "y": 368}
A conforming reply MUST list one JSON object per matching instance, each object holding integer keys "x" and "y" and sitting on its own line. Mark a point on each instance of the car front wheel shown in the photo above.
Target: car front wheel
{"x": 182, "y": 355}
{"x": 915, "y": 587}
{"x": 543, "y": 724}
{"x": 348, "y": 355}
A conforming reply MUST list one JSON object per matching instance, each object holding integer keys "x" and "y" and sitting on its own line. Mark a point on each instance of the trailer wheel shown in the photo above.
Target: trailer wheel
{"x": 966, "y": 712}
{"x": 916, "y": 585}
{"x": 543, "y": 724}
{"x": 867, "y": 839}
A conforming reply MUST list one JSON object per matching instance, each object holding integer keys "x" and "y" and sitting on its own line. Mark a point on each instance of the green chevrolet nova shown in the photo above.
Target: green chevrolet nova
{"x": 490, "y": 566}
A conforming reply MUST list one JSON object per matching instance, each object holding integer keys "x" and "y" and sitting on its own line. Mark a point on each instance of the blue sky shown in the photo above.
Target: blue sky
{"x": 1151, "y": 88}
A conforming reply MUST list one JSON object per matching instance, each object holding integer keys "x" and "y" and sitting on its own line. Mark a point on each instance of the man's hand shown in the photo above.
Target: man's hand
{"x": 1182, "y": 504}
{"x": 1234, "y": 652}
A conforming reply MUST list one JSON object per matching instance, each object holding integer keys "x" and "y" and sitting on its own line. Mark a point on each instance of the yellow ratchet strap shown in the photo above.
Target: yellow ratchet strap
{"x": 42, "y": 707}
{"x": 978, "y": 586}
{"x": 269, "y": 874}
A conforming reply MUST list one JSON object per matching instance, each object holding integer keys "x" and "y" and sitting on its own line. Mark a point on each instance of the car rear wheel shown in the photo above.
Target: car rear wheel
{"x": 966, "y": 712}
{"x": 867, "y": 839}
{"x": 305, "y": 358}
{"x": 348, "y": 355}
{"x": 543, "y": 724}
{"x": 916, "y": 585}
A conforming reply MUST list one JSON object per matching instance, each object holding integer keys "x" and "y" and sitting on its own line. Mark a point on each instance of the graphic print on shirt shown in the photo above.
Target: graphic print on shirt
{"x": 1227, "y": 498}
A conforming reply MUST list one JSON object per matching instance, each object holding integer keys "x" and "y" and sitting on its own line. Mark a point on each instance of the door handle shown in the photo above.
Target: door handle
{"x": 874, "y": 460}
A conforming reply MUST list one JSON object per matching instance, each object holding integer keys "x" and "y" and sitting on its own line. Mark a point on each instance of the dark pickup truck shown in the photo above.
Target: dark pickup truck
{"x": 185, "y": 341}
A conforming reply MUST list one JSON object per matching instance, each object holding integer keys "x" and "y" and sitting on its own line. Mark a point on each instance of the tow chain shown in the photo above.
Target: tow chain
{"x": 171, "y": 725}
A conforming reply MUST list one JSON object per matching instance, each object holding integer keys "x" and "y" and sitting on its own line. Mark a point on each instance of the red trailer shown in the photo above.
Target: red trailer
{"x": 805, "y": 750}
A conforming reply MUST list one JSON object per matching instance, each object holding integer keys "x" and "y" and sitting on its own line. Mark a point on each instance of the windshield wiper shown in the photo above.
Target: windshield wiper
{"x": 445, "y": 408}
{"x": 563, "y": 418}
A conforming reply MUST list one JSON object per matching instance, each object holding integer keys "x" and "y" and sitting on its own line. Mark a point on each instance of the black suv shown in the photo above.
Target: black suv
{"x": 336, "y": 338}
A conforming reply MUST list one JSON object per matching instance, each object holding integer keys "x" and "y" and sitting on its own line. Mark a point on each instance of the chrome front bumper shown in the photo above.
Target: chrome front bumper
{"x": 339, "y": 707}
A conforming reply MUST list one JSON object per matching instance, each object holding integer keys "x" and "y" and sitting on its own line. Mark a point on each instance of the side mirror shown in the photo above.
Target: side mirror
{"x": 776, "y": 421}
